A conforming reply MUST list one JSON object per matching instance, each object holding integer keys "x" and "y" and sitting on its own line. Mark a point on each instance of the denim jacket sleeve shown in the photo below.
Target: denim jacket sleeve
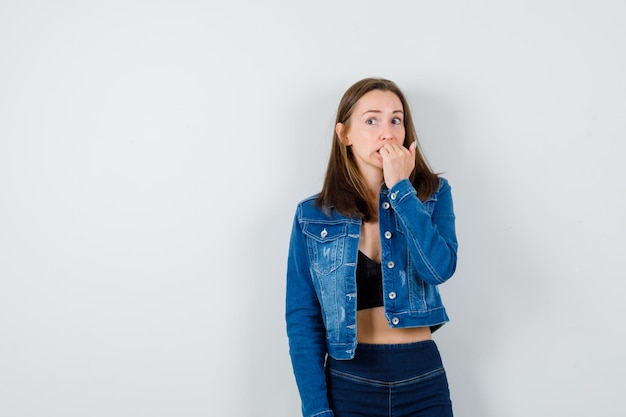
{"x": 430, "y": 229}
{"x": 305, "y": 329}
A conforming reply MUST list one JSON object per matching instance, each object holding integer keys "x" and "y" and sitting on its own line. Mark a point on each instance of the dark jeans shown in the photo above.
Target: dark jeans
{"x": 403, "y": 380}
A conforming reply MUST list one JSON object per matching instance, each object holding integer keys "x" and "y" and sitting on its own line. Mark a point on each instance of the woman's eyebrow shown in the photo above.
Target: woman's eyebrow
{"x": 380, "y": 111}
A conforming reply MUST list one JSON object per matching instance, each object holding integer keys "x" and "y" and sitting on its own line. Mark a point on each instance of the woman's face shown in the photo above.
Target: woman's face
{"x": 377, "y": 119}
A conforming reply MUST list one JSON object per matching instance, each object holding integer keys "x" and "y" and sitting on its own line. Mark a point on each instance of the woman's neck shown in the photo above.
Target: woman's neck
{"x": 373, "y": 184}
{"x": 374, "y": 180}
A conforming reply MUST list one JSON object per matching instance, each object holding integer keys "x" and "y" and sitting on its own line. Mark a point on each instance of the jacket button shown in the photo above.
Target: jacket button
{"x": 387, "y": 234}
{"x": 386, "y": 205}
{"x": 324, "y": 233}
{"x": 395, "y": 321}
{"x": 392, "y": 295}
{"x": 394, "y": 195}
{"x": 390, "y": 264}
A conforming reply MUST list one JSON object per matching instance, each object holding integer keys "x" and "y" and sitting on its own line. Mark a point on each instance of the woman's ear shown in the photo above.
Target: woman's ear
{"x": 340, "y": 129}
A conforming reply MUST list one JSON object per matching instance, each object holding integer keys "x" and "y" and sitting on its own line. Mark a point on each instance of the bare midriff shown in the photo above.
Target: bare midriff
{"x": 373, "y": 327}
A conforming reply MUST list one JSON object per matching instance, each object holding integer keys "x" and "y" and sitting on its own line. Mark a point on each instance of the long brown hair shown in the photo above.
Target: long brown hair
{"x": 344, "y": 188}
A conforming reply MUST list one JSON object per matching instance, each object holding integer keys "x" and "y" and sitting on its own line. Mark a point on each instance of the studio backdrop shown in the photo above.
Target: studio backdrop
{"x": 152, "y": 154}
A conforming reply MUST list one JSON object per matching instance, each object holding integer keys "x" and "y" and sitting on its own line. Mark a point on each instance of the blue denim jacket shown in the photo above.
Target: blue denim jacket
{"x": 418, "y": 244}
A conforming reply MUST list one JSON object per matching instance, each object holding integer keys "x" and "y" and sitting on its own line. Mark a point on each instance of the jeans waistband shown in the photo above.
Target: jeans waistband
{"x": 390, "y": 362}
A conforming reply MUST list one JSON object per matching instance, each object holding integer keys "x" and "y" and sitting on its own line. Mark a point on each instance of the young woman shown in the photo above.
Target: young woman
{"x": 366, "y": 256}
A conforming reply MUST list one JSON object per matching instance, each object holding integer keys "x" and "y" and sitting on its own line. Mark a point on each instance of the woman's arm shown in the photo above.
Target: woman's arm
{"x": 305, "y": 329}
{"x": 431, "y": 237}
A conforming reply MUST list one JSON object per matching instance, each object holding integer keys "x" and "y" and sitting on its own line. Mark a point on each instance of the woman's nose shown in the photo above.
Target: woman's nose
{"x": 386, "y": 133}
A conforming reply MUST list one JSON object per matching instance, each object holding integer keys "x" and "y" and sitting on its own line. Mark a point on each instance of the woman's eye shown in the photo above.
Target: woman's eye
{"x": 371, "y": 121}
{"x": 396, "y": 121}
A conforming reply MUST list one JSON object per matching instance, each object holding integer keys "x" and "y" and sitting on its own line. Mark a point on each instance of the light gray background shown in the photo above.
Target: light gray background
{"x": 152, "y": 153}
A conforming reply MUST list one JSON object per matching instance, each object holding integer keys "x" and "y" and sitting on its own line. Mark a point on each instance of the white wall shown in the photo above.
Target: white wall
{"x": 152, "y": 153}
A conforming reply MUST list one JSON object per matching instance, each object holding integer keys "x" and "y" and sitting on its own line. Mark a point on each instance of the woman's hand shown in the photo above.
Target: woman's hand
{"x": 398, "y": 162}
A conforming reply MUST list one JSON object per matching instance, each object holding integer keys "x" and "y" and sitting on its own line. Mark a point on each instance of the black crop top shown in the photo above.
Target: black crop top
{"x": 369, "y": 283}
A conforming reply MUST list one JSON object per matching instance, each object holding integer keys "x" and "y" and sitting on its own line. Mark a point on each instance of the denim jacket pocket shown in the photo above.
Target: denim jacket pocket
{"x": 325, "y": 244}
{"x": 429, "y": 207}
